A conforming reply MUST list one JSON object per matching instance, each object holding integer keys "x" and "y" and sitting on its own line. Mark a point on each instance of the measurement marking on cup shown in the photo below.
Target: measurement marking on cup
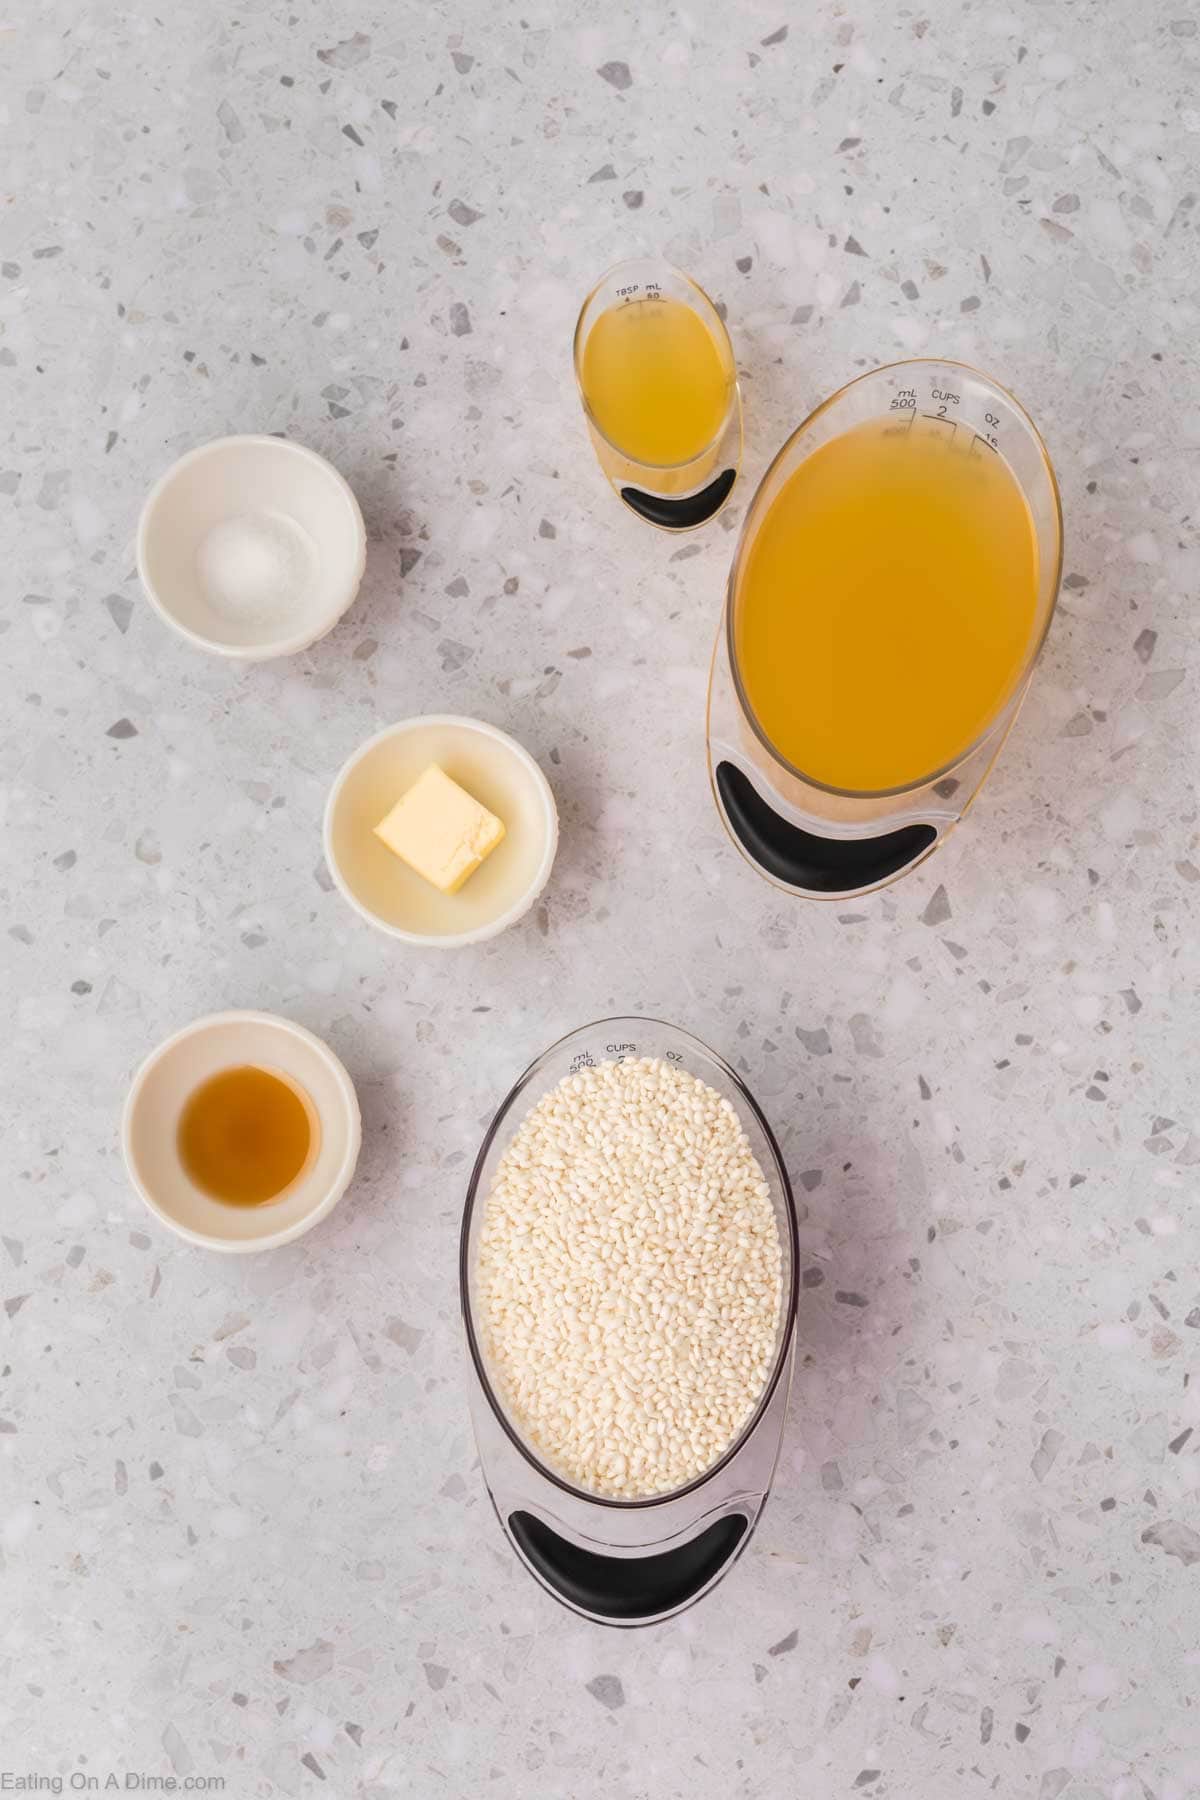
{"x": 987, "y": 442}
{"x": 939, "y": 418}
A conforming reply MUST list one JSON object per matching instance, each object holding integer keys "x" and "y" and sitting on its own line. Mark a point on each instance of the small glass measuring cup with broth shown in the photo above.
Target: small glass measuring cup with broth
{"x": 658, "y": 383}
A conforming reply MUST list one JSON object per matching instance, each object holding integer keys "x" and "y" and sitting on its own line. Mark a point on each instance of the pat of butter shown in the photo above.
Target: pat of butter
{"x": 440, "y": 830}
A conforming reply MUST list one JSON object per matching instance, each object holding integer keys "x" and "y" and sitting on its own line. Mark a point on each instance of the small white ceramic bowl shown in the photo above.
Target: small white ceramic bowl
{"x": 251, "y": 547}
{"x": 499, "y": 773}
{"x": 173, "y": 1072}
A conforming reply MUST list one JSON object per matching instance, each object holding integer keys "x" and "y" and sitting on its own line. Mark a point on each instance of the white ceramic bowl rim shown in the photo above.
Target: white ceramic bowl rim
{"x": 265, "y": 647}
{"x": 480, "y": 933}
{"x": 336, "y": 1187}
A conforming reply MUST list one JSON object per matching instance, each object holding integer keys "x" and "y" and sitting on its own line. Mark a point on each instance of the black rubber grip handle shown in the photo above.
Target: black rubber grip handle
{"x": 627, "y": 1590}
{"x": 802, "y": 859}
{"x": 681, "y": 515}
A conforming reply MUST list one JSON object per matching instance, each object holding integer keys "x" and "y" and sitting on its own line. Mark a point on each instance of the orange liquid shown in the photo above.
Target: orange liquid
{"x": 656, "y": 380}
{"x": 886, "y": 606}
{"x": 245, "y": 1135}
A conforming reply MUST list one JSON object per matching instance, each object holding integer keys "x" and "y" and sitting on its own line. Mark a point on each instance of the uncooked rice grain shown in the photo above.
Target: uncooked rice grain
{"x": 628, "y": 1283}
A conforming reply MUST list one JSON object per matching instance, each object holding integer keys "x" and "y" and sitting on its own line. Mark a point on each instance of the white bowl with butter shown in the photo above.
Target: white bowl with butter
{"x": 251, "y": 547}
{"x": 494, "y": 770}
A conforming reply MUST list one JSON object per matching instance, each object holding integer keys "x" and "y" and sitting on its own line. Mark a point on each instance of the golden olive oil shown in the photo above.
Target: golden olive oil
{"x": 245, "y": 1135}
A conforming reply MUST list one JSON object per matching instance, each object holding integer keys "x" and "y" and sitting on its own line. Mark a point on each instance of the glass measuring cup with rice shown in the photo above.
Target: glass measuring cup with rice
{"x": 628, "y": 1286}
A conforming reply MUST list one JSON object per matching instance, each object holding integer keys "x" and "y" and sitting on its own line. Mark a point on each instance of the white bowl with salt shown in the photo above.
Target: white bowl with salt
{"x": 251, "y": 547}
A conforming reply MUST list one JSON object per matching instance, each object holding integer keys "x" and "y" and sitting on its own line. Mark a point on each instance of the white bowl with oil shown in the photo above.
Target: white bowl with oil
{"x": 168, "y": 1079}
{"x": 499, "y": 773}
{"x": 251, "y": 547}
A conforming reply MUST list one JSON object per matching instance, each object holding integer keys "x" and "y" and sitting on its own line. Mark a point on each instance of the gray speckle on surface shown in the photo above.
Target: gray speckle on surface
{"x": 231, "y": 125}
{"x": 306, "y": 1665}
{"x": 408, "y": 1337}
{"x": 608, "y": 1690}
{"x": 347, "y": 54}
{"x": 913, "y": 1414}
{"x": 864, "y": 1035}
{"x": 1176, "y": 1539}
{"x": 120, "y": 611}
{"x": 178, "y": 1754}
{"x": 785, "y": 1644}
{"x": 1046, "y": 1454}
{"x": 1158, "y": 685}
{"x": 938, "y": 909}
{"x": 616, "y": 74}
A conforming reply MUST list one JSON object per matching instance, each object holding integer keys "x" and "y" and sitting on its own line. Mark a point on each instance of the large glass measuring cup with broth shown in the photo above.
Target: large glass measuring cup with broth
{"x": 658, "y": 383}
{"x": 894, "y": 581}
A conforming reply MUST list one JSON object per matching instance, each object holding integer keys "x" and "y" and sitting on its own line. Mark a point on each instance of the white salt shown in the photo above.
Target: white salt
{"x": 256, "y": 567}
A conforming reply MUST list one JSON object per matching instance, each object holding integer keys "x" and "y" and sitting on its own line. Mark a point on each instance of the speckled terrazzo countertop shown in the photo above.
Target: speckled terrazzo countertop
{"x": 241, "y": 1525}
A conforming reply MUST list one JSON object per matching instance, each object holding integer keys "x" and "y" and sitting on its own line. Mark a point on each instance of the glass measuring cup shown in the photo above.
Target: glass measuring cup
{"x": 805, "y": 834}
{"x": 627, "y": 1562}
{"x": 658, "y": 383}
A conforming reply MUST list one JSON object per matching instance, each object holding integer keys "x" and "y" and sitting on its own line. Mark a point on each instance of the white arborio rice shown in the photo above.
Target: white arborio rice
{"x": 628, "y": 1280}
